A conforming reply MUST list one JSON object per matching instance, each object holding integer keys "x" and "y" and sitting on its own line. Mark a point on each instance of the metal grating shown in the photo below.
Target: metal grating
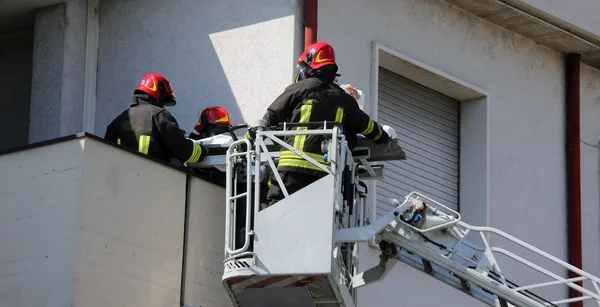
{"x": 427, "y": 124}
{"x": 321, "y": 290}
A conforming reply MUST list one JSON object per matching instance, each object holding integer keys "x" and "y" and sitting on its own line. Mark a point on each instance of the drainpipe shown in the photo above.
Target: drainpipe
{"x": 572, "y": 62}
{"x": 311, "y": 18}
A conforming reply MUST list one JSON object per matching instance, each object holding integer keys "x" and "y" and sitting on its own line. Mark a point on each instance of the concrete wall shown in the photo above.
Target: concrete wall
{"x": 40, "y": 197}
{"x": 58, "y": 71}
{"x": 590, "y": 168}
{"x": 15, "y": 76}
{"x": 525, "y": 102}
{"x": 78, "y": 228}
{"x": 131, "y": 231}
{"x": 205, "y": 246}
{"x": 234, "y": 54}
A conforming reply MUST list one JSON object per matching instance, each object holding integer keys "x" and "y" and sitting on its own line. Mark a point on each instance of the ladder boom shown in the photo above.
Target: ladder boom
{"x": 421, "y": 228}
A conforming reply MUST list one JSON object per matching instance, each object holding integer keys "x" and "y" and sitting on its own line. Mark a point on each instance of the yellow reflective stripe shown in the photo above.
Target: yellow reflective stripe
{"x": 369, "y": 128}
{"x": 304, "y": 118}
{"x": 299, "y": 163}
{"x": 247, "y": 136}
{"x": 287, "y": 154}
{"x": 119, "y": 141}
{"x": 269, "y": 183}
{"x": 339, "y": 115}
{"x": 144, "y": 144}
{"x": 378, "y": 134}
{"x": 196, "y": 153}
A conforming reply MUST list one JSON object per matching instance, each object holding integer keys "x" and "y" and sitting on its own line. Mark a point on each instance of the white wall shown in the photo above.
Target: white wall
{"x": 15, "y": 76}
{"x": 237, "y": 55}
{"x": 83, "y": 223}
{"x": 40, "y": 195}
{"x": 205, "y": 246}
{"x": 131, "y": 231}
{"x": 590, "y": 155}
{"x": 525, "y": 89}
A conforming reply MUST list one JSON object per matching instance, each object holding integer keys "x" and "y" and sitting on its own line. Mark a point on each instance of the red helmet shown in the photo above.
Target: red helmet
{"x": 158, "y": 87}
{"x": 213, "y": 116}
{"x": 317, "y": 55}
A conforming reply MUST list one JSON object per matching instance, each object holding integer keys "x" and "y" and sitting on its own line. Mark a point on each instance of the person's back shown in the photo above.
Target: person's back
{"x": 315, "y": 97}
{"x": 323, "y": 100}
{"x": 150, "y": 129}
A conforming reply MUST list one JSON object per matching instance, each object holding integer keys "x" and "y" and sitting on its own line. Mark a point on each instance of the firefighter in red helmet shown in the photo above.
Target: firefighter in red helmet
{"x": 315, "y": 97}
{"x": 213, "y": 121}
{"x": 150, "y": 129}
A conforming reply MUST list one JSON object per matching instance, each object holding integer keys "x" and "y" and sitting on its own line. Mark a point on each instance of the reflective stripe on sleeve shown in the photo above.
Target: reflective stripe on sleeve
{"x": 196, "y": 153}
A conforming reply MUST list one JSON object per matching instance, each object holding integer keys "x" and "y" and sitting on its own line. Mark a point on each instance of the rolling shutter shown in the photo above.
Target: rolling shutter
{"x": 427, "y": 124}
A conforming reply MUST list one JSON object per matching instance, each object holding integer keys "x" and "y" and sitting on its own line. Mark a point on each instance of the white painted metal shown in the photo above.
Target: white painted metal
{"x": 460, "y": 263}
{"x": 282, "y": 244}
{"x": 428, "y": 125}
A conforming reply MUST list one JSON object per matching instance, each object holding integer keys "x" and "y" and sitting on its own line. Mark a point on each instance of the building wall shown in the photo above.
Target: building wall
{"x": 237, "y": 55}
{"x": 16, "y": 78}
{"x": 40, "y": 194}
{"x": 48, "y": 53}
{"x": 525, "y": 101}
{"x": 131, "y": 231}
{"x": 80, "y": 229}
{"x": 205, "y": 246}
{"x": 590, "y": 155}
{"x": 58, "y": 71}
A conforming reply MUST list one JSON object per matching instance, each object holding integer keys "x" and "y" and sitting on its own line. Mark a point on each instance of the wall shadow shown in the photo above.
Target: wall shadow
{"x": 173, "y": 39}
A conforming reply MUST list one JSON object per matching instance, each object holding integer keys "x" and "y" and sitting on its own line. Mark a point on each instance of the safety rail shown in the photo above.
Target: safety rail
{"x": 250, "y": 163}
{"x": 231, "y": 205}
{"x": 557, "y": 279}
{"x": 439, "y": 238}
{"x": 262, "y": 151}
{"x": 485, "y": 262}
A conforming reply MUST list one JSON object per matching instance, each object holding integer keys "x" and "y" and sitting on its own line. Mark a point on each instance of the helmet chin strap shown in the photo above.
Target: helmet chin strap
{"x": 162, "y": 94}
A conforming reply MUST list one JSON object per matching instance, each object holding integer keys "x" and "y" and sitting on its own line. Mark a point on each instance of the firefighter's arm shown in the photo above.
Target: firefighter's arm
{"x": 185, "y": 150}
{"x": 362, "y": 123}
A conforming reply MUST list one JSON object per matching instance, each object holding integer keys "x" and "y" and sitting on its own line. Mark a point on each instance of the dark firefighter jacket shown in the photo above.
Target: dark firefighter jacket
{"x": 152, "y": 130}
{"x": 318, "y": 99}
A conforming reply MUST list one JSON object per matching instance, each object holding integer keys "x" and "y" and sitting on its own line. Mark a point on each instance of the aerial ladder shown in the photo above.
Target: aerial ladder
{"x": 303, "y": 250}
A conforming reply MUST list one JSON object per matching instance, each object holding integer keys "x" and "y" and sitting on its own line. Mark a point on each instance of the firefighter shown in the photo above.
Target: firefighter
{"x": 212, "y": 128}
{"x": 315, "y": 97}
{"x": 150, "y": 129}
{"x": 213, "y": 121}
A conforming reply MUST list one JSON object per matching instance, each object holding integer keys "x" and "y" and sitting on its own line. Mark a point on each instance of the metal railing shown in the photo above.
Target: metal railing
{"x": 487, "y": 264}
{"x": 264, "y": 149}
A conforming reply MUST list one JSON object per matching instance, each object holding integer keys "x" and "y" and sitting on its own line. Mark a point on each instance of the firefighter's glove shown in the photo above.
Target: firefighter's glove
{"x": 390, "y": 132}
{"x": 251, "y": 134}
